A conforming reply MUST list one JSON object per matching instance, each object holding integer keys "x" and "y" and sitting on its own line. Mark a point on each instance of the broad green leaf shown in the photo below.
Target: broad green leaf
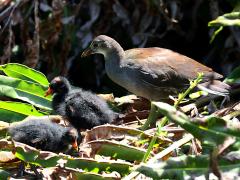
{"x": 26, "y": 91}
{"x": 188, "y": 167}
{"x": 90, "y": 165}
{"x": 87, "y": 176}
{"x": 16, "y": 111}
{"x": 4, "y": 175}
{"x": 212, "y": 131}
{"x": 234, "y": 76}
{"x": 33, "y": 156}
{"x": 23, "y": 72}
{"x": 117, "y": 150}
{"x": 48, "y": 159}
{"x": 229, "y": 19}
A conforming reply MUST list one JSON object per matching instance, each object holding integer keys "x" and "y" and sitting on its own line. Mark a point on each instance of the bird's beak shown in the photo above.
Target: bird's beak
{"x": 48, "y": 92}
{"x": 87, "y": 52}
{"x": 75, "y": 145}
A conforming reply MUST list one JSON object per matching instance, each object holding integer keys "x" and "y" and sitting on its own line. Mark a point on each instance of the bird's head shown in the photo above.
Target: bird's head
{"x": 71, "y": 137}
{"x": 102, "y": 45}
{"x": 58, "y": 85}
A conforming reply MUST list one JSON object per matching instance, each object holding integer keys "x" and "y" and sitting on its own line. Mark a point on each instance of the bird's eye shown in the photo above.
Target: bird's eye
{"x": 95, "y": 45}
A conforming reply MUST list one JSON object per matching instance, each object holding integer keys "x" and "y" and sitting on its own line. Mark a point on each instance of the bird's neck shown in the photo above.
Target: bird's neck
{"x": 113, "y": 64}
{"x": 58, "y": 98}
{"x": 115, "y": 53}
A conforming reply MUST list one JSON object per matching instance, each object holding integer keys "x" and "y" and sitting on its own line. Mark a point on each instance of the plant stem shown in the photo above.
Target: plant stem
{"x": 154, "y": 115}
{"x": 150, "y": 147}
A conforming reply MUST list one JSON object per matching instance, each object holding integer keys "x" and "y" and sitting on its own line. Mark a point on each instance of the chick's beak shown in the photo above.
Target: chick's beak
{"x": 48, "y": 92}
{"x": 87, "y": 52}
{"x": 75, "y": 145}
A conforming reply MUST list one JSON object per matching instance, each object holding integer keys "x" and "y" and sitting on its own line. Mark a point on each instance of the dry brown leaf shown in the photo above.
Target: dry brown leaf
{"x": 107, "y": 97}
{"x": 6, "y": 156}
{"x": 119, "y": 133}
{"x": 5, "y": 144}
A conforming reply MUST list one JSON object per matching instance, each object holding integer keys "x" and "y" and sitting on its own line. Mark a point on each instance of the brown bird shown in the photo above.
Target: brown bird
{"x": 153, "y": 73}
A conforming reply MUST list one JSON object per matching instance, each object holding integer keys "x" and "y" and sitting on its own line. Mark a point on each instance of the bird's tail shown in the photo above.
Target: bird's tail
{"x": 215, "y": 87}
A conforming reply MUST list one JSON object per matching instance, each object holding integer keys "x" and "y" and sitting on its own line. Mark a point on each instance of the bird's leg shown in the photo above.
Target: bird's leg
{"x": 225, "y": 100}
{"x": 21, "y": 170}
{"x": 139, "y": 121}
{"x": 152, "y": 117}
{"x": 34, "y": 169}
{"x": 211, "y": 107}
{"x": 194, "y": 111}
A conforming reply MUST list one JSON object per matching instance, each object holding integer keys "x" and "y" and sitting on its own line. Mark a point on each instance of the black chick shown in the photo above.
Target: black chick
{"x": 44, "y": 135}
{"x": 83, "y": 109}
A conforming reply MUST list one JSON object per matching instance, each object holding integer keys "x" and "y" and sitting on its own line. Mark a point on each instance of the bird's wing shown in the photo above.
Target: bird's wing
{"x": 36, "y": 140}
{"x": 162, "y": 67}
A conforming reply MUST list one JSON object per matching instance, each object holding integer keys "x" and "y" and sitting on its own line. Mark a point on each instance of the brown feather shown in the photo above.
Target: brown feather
{"x": 156, "y": 58}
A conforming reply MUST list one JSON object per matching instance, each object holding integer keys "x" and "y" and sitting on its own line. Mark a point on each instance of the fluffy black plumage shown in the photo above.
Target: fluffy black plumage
{"x": 44, "y": 135}
{"x": 83, "y": 109}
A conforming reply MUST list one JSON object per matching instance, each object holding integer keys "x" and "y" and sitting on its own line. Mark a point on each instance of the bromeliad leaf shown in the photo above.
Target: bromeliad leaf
{"x": 23, "y": 72}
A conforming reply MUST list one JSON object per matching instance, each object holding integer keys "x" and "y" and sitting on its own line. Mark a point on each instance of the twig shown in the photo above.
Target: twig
{"x": 36, "y": 37}
{"x": 168, "y": 150}
{"x": 9, "y": 13}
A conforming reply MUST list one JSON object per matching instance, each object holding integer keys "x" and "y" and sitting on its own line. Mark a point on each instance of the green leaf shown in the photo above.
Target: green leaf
{"x": 23, "y": 72}
{"x": 48, "y": 159}
{"x": 234, "y": 76}
{"x": 87, "y": 176}
{"x": 16, "y": 111}
{"x": 90, "y": 165}
{"x": 4, "y": 175}
{"x": 187, "y": 167}
{"x": 117, "y": 150}
{"x": 197, "y": 94}
{"x": 229, "y": 19}
{"x": 215, "y": 33}
{"x": 26, "y": 91}
{"x": 212, "y": 131}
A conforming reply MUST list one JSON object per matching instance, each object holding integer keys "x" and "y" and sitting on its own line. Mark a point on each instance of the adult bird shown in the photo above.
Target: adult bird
{"x": 83, "y": 109}
{"x": 44, "y": 135}
{"x": 153, "y": 73}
